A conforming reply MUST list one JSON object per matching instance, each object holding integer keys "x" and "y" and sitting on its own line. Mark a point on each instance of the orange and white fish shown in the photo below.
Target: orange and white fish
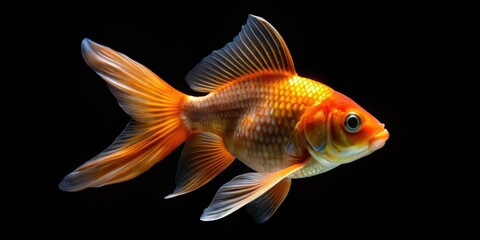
{"x": 257, "y": 110}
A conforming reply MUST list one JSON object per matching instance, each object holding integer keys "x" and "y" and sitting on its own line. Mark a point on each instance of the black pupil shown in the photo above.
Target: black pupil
{"x": 352, "y": 122}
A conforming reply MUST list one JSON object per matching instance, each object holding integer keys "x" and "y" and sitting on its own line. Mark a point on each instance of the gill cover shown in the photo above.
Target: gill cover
{"x": 314, "y": 127}
{"x": 310, "y": 132}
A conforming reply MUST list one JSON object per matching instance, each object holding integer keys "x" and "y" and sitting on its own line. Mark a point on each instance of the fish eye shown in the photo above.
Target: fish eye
{"x": 352, "y": 123}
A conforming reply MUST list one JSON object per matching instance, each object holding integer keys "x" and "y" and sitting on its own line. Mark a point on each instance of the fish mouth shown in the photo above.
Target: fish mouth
{"x": 378, "y": 141}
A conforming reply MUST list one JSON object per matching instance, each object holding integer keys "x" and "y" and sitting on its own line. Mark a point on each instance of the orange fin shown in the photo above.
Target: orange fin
{"x": 204, "y": 156}
{"x": 244, "y": 189}
{"x": 155, "y": 130}
{"x": 258, "y": 49}
{"x": 262, "y": 208}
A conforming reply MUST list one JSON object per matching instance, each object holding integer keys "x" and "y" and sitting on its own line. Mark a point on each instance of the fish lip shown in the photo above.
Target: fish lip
{"x": 379, "y": 139}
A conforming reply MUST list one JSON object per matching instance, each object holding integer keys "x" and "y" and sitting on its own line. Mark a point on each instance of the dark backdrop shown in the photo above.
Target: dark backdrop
{"x": 403, "y": 67}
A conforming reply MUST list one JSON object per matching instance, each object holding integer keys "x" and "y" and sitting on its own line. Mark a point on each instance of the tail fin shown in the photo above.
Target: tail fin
{"x": 155, "y": 130}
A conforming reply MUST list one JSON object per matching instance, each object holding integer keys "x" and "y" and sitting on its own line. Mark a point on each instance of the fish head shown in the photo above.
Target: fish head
{"x": 339, "y": 130}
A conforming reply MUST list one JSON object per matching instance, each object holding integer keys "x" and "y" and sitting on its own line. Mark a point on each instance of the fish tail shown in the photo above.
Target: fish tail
{"x": 156, "y": 127}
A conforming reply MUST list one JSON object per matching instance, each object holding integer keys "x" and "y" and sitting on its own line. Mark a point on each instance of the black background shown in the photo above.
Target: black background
{"x": 403, "y": 67}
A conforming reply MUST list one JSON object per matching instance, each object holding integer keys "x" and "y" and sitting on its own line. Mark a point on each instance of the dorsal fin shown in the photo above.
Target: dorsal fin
{"x": 258, "y": 49}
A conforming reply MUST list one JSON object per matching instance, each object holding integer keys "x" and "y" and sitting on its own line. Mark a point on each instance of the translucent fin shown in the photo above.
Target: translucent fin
{"x": 258, "y": 49}
{"x": 204, "y": 156}
{"x": 242, "y": 190}
{"x": 131, "y": 154}
{"x": 155, "y": 130}
{"x": 142, "y": 94}
{"x": 262, "y": 208}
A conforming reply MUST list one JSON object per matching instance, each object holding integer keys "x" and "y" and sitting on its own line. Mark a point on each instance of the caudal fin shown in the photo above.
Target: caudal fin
{"x": 155, "y": 130}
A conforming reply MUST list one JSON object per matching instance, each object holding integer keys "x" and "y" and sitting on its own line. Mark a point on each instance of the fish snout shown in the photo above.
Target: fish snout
{"x": 379, "y": 139}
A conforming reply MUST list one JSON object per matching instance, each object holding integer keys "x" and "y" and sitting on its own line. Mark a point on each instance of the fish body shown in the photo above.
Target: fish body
{"x": 257, "y": 109}
{"x": 256, "y": 117}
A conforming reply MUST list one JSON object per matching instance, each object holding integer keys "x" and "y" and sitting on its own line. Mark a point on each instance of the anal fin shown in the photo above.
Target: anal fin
{"x": 204, "y": 156}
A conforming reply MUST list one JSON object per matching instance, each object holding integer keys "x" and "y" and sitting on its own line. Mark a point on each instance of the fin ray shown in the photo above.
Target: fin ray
{"x": 244, "y": 189}
{"x": 258, "y": 49}
{"x": 204, "y": 156}
{"x": 155, "y": 130}
{"x": 262, "y": 208}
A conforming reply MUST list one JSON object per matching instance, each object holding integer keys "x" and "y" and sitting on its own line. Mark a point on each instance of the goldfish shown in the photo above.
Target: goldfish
{"x": 255, "y": 109}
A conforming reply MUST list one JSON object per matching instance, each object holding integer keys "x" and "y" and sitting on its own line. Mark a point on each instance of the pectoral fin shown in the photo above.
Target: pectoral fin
{"x": 262, "y": 208}
{"x": 244, "y": 189}
{"x": 204, "y": 156}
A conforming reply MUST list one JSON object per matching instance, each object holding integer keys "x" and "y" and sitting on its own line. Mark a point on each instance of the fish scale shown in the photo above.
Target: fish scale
{"x": 256, "y": 117}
